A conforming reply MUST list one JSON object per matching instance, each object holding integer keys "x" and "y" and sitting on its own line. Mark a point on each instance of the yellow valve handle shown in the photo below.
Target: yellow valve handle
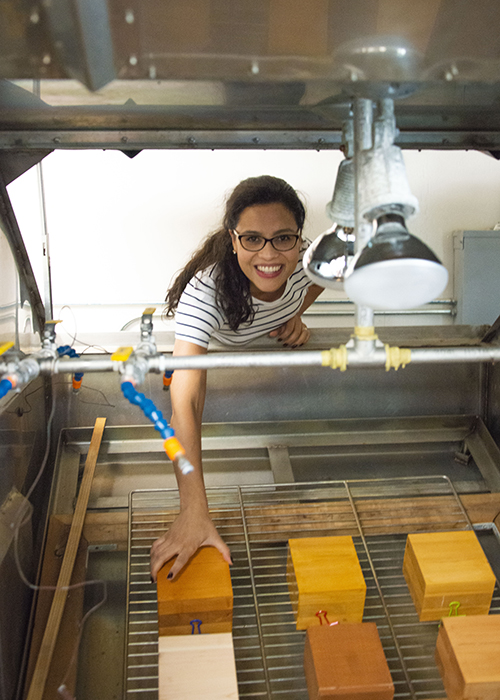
{"x": 396, "y": 357}
{"x": 122, "y": 354}
{"x": 149, "y": 311}
{"x": 53, "y": 322}
{"x": 336, "y": 358}
{"x": 6, "y": 346}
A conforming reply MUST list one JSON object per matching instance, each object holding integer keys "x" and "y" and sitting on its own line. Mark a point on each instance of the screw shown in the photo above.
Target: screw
{"x": 129, "y": 17}
{"x": 46, "y": 60}
{"x": 56, "y": 139}
{"x": 192, "y": 141}
{"x": 256, "y": 139}
{"x": 124, "y": 139}
{"x": 133, "y": 60}
{"x": 34, "y": 17}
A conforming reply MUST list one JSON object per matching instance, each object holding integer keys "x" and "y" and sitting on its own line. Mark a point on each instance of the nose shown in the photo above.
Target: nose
{"x": 268, "y": 250}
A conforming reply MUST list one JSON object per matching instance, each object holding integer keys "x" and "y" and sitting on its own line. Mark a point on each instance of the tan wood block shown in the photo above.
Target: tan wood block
{"x": 468, "y": 657}
{"x": 323, "y": 573}
{"x": 198, "y": 667}
{"x": 346, "y": 662}
{"x": 202, "y": 591}
{"x": 443, "y": 567}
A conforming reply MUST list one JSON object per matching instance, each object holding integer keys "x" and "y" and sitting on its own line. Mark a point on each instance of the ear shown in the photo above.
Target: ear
{"x": 233, "y": 239}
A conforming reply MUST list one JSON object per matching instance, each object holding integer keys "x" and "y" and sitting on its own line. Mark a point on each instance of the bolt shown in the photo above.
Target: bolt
{"x": 124, "y": 139}
{"x": 46, "y": 60}
{"x": 129, "y": 17}
{"x": 192, "y": 141}
{"x": 254, "y": 68}
{"x": 321, "y": 141}
{"x": 56, "y": 139}
{"x": 256, "y": 139}
{"x": 152, "y": 72}
{"x": 133, "y": 60}
{"x": 34, "y": 17}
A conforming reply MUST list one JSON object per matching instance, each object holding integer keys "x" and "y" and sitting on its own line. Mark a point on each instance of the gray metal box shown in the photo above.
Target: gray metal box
{"x": 476, "y": 278}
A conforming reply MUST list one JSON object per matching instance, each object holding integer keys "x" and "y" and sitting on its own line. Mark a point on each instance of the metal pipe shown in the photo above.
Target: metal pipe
{"x": 308, "y": 358}
{"x": 363, "y": 118}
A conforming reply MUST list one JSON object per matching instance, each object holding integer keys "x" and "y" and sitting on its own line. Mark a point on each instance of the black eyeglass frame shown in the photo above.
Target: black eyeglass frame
{"x": 266, "y": 240}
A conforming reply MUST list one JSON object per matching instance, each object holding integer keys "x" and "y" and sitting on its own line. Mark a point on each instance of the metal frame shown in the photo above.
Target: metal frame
{"x": 268, "y": 649}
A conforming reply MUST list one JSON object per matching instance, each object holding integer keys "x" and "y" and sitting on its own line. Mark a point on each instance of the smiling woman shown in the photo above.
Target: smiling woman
{"x": 245, "y": 281}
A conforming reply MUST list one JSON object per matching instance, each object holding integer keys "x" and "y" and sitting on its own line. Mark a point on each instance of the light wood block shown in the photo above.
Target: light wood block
{"x": 198, "y": 667}
{"x": 323, "y": 573}
{"x": 445, "y": 567}
{"x": 468, "y": 657}
{"x": 346, "y": 662}
{"x": 202, "y": 591}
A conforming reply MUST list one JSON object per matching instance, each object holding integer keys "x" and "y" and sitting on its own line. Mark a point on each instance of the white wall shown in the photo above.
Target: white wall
{"x": 120, "y": 228}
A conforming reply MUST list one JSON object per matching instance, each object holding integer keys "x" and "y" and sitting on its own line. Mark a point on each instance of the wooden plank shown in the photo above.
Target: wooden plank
{"x": 50, "y": 636}
{"x": 201, "y": 591}
{"x": 69, "y": 630}
{"x": 198, "y": 667}
{"x": 346, "y": 662}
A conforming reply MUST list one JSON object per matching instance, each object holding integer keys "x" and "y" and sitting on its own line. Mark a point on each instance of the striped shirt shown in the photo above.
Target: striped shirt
{"x": 199, "y": 318}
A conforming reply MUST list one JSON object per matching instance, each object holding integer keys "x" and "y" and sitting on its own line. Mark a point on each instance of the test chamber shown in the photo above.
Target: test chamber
{"x": 269, "y": 86}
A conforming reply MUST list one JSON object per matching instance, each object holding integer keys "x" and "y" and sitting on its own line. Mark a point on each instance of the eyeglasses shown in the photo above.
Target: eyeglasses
{"x": 253, "y": 243}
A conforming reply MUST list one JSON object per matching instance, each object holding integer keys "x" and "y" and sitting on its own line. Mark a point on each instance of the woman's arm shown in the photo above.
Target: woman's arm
{"x": 193, "y": 526}
{"x": 295, "y": 332}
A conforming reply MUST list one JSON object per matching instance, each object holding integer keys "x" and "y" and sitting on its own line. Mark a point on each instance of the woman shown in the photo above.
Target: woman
{"x": 245, "y": 281}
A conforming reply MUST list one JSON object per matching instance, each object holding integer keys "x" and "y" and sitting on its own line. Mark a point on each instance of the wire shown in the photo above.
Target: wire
{"x": 73, "y": 336}
{"x": 21, "y": 573}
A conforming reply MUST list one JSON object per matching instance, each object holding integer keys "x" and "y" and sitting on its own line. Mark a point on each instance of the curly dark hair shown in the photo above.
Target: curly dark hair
{"x": 232, "y": 287}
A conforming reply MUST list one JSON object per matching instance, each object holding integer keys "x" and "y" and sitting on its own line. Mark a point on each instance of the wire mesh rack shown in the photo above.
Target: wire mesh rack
{"x": 256, "y": 523}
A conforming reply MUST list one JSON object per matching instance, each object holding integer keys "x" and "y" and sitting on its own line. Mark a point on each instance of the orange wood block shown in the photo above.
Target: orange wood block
{"x": 445, "y": 567}
{"x": 202, "y": 591}
{"x": 197, "y": 667}
{"x": 346, "y": 662}
{"x": 468, "y": 657}
{"x": 323, "y": 573}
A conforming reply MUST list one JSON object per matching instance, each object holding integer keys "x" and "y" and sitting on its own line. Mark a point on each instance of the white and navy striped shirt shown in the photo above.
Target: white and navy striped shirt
{"x": 199, "y": 318}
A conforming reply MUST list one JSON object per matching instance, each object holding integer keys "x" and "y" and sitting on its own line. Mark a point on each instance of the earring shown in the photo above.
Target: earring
{"x": 234, "y": 252}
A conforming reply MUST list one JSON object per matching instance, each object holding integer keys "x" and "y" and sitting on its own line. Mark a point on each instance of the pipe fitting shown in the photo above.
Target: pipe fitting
{"x": 396, "y": 357}
{"x": 336, "y": 358}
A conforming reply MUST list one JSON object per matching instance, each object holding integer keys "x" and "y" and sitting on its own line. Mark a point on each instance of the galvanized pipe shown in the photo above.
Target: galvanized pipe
{"x": 363, "y": 118}
{"x": 312, "y": 358}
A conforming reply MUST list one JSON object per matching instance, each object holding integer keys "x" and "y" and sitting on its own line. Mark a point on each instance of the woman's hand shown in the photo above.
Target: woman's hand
{"x": 192, "y": 529}
{"x": 292, "y": 333}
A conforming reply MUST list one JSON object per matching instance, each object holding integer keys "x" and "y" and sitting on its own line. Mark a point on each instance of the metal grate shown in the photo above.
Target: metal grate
{"x": 256, "y": 523}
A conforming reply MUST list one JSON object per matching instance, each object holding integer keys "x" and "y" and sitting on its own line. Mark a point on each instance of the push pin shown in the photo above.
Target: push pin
{"x": 325, "y": 613}
{"x": 193, "y": 623}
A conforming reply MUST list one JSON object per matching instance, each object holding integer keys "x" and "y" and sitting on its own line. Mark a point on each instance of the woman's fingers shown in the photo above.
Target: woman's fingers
{"x": 293, "y": 333}
{"x": 187, "y": 534}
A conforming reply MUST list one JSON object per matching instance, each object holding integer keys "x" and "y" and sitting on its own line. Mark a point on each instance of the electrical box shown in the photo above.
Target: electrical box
{"x": 476, "y": 285}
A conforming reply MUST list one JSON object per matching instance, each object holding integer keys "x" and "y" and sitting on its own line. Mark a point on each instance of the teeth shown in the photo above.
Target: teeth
{"x": 269, "y": 268}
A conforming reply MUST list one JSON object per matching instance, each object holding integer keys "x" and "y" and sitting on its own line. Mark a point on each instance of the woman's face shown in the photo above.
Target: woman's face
{"x": 268, "y": 269}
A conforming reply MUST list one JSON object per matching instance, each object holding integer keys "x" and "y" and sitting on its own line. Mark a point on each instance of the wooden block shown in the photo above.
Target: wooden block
{"x": 468, "y": 657}
{"x": 445, "y": 567}
{"x": 323, "y": 573}
{"x": 202, "y": 591}
{"x": 346, "y": 662}
{"x": 198, "y": 667}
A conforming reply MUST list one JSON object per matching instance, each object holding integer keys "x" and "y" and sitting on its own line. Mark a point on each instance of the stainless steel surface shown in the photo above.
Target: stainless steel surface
{"x": 216, "y": 74}
{"x": 256, "y": 522}
{"x": 22, "y": 444}
{"x": 132, "y": 457}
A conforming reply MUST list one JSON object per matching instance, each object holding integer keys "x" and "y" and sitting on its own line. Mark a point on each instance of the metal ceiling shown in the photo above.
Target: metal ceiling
{"x": 132, "y": 74}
